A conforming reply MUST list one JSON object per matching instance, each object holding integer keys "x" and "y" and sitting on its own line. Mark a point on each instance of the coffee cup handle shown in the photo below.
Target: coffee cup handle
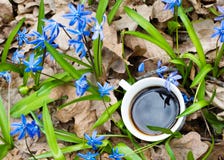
{"x": 124, "y": 84}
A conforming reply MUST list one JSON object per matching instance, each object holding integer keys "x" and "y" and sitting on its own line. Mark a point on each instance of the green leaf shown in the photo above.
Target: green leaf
{"x": 201, "y": 75}
{"x": 178, "y": 61}
{"x": 10, "y": 39}
{"x": 113, "y": 11}
{"x": 149, "y": 28}
{"x": 160, "y": 129}
{"x": 41, "y": 16}
{"x": 169, "y": 149}
{"x": 129, "y": 154}
{"x": 193, "y": 58}
{"x": 172, "y": 26}
{"x": 67, "y": 136}
{"x": 4, "y": 150}
{"x": 192, "y": 34}
{"x": 106, "y": 114}
{"x": 205, "y": 157}
{"x": 101, "y": 9}
{"x": 5, "y": 124}
{"x": 50, "y": 135}
{"x": 216, "y": 124}
{"x": 11, "y": 67}
{"x": 190, "y": 156}
{"x": 194, "y": 107}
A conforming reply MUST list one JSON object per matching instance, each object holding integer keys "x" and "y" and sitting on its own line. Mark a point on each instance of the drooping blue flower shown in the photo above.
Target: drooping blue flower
{"x": 116, "y": 155}
{"x": 53, "y": 27}
{"x": 220, "y": 17}
{"x": 141, "y": 67}
{"x": 79, "y": 47}
{"x": 170, "y": 4}
{"x": 22, "y": 37}
{"x": 81, "y": 85}
{"x": 160, "y": 69}
{"x": 98, "y": 29}
{"x": 80, "y": 31}
{"x": 17, "y": 56}
{"x": 6, "y": 75}
{"x": 219, "y": 32}
{"x": 24, "y": 128}
{"x": 77, "y": 15}
{"x": 94, "y": 141}
{"x": 186, "y": 98}
{"x": 172, "y": 78}
{"x": 88, "y": 156}
{"x": 104, "y": 90}
{"x": 32, "y": 65}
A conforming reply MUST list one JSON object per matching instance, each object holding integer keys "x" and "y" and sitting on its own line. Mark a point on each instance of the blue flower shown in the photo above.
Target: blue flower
{"x": 6, "y": 75}
{"x": 219, "y": 32}
{"x": 172, "y": 78}
{"x": 186, "y": 98}
{"x": 53, "y": 27}
{"x": 17, "y": 56}
{"x": 22, "y": 37}
{"x": 79, "y": 47}
{"x": 115, "y": 154}
{"x": 80, "y": 32}
{"x": 88, "y": 156}
{"x": 104, "y": 90}
{"x": 141, "y": 67}
{"x": 77, "y": 15}
{"x": 32, "y": 65}
{"x": 81, "y": 85}
{"x": 22, "y": 128}
{"x": 220, "y": 17}
{"x": 94, "y": 141}
{"x": 170, "y": 4}
{"x": 160, "y": 69}
{"x": 98, "y": 29}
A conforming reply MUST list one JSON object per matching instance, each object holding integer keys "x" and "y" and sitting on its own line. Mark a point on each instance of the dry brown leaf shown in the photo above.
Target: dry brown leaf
{"x": 160, "y": 13}
{"x": 218, "y": 100}
{"x": 127, "y": 22}
{"x": 6, "y": 14}
{"x": 152, "y": 51}
{"x": 204, "y": 30}
{"x": 198, "y": 7}
{"x": 189, "y": 142}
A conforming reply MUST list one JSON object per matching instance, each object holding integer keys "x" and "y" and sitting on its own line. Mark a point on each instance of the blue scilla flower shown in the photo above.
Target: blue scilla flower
{"x": 77, "y": 15}
{"x": 6, "y": 75}
{"x": 104, "y": 90}
{"x": 141, "y": 67}
{"x": 88, "y": 156}
{"x": 22, "y": 37}
{"x": 79, "y": 47}
{"x": 98, "y": 29}
{"x": 53, "y": 27}
{"x": 94, "y": 141}
{"x": 186, "y": 98}
{"x": 116, "y": 155}
{"x": 80, "y": 31}
{"x": 170, "y": 4}
{"x": 161, "y": 69}
{"x": 220, "y": 17}
{"x": 172, "y": 78}
{"x": 17, "y": 56}
{"x": 24, "y": 128}
{"x": 33, "y": 65}
{"x": 81, "y": 85}
{"x": 219, "y": 32}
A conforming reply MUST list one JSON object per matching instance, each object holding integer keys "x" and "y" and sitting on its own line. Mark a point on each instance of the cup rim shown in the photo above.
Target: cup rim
{"x": 132, "y": 91}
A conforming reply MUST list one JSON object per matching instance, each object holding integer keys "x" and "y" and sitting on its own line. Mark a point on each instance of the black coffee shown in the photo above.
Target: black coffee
{"x": 154, "y": 107}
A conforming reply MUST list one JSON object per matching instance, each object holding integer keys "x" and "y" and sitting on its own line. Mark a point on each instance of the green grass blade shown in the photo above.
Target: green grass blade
{"x": 209, "y": 150}
{"x": 50, "y": 135}
{"x": 152, "y": 40}
{"x": 148, "y": 27}
{"x": 190, "y": 156}
{"x": 201, "y": 75}
{"x": 5, "y": 124}
{"x": 178, "y": 61}
{"x": 113, "y": 11}
{"x": 192, "y": 34}
{"x": 102, "y": 6}
{"x": 163, "y": 130}
{"x": 63, "y": 63}
{"x": 4, "y": 150}
{"x": 10, "y": 39}
{"x": 11, "y": 67}
{"x": 106, "y": 115}
{"x": 169, "y": 149}
{"x": 194, "y": 107}
{"x": 129, "y": 154}
{"x": 67, "y": 136}
{"x": 41, "y": 16}
{"x": 193, "y": 58}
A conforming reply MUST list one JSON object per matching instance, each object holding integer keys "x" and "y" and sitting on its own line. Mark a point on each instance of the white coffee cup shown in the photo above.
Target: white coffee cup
{"x": 132, "y": 91}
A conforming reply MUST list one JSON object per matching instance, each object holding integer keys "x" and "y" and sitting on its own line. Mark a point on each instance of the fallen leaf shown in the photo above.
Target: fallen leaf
{"x": 198, "y": 7}
{"x": 6, "y": 14}
{"x": 160, "y": 13}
